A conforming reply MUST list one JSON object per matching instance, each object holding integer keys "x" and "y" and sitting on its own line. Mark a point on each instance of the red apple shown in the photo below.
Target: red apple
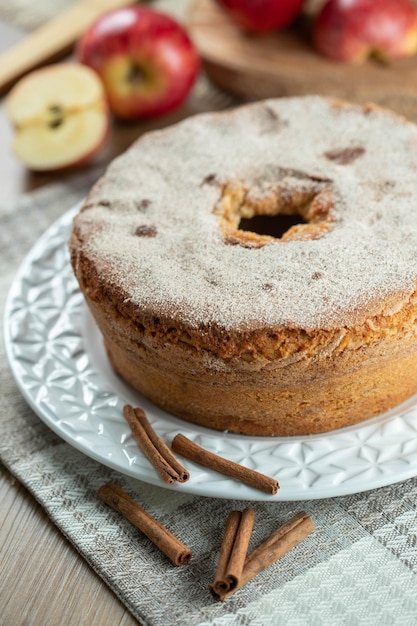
{"x": 145, "y": 59}
{"x": 261, "y": 16}
{"x": 354, "y": 30}
{"x": 60, "y": 116}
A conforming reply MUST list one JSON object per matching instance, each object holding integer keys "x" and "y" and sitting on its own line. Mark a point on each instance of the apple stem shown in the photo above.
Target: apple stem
{"x": 136, "y": 74}
{"x": 378, "y": 56}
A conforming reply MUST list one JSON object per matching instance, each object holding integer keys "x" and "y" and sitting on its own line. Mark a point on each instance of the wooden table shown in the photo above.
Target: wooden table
{"x": 43, "y": 580}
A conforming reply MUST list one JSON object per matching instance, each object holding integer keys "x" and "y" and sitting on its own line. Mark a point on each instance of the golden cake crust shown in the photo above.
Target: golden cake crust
{"x": 244, "y": 332}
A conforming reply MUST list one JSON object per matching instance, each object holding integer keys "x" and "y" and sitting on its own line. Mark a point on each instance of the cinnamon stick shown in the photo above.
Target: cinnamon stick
{"x": 154, "y": 448}
{"x": 190, "y": 450}
{"x": 120, "y": 501}
{"x": 233, "y": 551}
{"x": 281, "y": 541}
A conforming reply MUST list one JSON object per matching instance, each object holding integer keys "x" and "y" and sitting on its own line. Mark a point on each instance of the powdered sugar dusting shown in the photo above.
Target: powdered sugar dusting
{"x": 169, "y": 182}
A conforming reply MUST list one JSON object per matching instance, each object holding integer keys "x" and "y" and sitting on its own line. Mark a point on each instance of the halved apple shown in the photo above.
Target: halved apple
{"x": 60, "y": 116}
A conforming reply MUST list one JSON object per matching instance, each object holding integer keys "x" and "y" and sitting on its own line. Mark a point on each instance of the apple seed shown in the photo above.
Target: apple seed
{"x": 57, "y": 113}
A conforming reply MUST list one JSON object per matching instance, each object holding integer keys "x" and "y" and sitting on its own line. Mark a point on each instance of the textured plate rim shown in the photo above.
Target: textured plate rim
{"x": 362, "y": 450}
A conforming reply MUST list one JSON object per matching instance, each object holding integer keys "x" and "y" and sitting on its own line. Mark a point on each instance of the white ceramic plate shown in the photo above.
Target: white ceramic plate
{"x": 58, "y": 361}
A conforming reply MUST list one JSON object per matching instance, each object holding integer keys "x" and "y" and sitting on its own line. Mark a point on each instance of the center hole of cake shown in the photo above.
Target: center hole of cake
{"x": 270, "y": 225}
{"x": 293, "y": 207}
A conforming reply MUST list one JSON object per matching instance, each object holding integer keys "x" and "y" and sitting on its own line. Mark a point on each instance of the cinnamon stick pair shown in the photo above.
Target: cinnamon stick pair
{"x": 120, "y": 501}
{"x": 235, "y": 569}
{"x": 168, "y": 467}
{"x": 154, "y": 448}
{"x": 233, "y": 551}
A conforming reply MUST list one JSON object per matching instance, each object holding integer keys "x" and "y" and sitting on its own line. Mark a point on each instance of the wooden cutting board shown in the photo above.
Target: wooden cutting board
{"x": 285, "y": 64}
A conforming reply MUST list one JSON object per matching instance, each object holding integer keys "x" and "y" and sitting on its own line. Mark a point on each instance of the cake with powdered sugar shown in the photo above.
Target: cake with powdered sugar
{"x": 261, "y": 333}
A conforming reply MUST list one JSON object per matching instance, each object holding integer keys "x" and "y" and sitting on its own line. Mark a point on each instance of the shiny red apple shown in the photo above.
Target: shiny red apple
{"x": 261, "y": 16}
{"x": 145, "y": 59}
{"x": 354, "y": 30}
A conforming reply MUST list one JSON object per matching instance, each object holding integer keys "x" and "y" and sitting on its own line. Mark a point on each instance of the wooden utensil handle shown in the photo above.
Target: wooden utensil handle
{"x": 52, "y": 39}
